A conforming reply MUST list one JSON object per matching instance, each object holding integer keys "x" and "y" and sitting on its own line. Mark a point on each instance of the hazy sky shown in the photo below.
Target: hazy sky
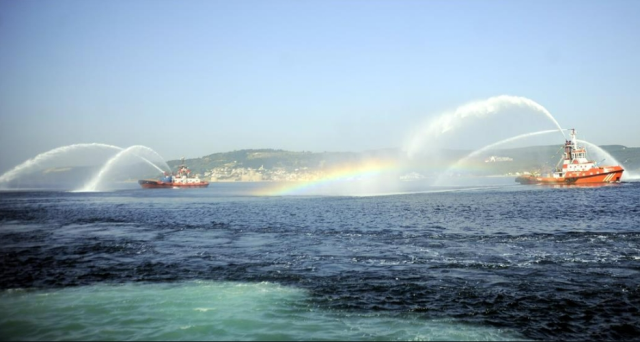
{"x": 197, "y": 77}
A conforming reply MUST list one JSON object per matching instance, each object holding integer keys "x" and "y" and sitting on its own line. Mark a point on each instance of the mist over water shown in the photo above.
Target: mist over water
{"x": 40, "y": 159}
{"x": 420, "y": 153}
{"x": 489, "y": 147}
{"x": 425, "y": 144}
{"x": 58, "y": 157}
{"x": 501, "y": 142}
{"x": 113, "y": 162}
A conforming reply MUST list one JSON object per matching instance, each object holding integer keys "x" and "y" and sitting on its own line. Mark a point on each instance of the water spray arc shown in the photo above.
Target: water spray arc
{"x": 627, "y": 175}
{"x": 496, "y": 144}
{"x": 93, "y": 185}
{"x": 450, "y": 120}
{"x": 501, "y": 142}
{"x": 600, "y": 150}
{"x": 42, "y": 157}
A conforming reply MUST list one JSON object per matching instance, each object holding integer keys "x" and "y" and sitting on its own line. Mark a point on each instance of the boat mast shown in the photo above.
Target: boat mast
{"x": 574, "y": 141}
{"x": 569, "y": 147}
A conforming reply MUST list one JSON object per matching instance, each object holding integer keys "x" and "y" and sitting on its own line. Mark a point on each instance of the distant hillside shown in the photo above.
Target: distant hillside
{"x": 548, "y": 156}
{"x": 538, "y": 158}
{"x": 287, "y": 165}
{"x": 270, "y": 159}
{"x": 628, "y": 156}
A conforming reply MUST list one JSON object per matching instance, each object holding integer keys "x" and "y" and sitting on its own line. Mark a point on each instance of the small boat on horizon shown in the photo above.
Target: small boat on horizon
{"x": 576, "y": 169}
{"x": 181, "y": 179}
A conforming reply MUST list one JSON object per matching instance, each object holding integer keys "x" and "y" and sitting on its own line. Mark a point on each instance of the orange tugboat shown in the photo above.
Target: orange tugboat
{"x": 576, "y": 169}
{"x": 181, "y": 179}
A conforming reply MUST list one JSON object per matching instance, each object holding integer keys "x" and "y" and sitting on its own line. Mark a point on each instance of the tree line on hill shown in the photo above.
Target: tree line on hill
{"x": 533, "y": 158}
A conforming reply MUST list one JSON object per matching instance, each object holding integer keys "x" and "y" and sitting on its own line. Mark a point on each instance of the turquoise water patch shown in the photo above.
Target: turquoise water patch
{"x": 206, "y": 310}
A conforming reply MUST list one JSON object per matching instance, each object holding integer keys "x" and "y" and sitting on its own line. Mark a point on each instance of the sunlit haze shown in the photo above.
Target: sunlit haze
{"x": 191, "y": 78}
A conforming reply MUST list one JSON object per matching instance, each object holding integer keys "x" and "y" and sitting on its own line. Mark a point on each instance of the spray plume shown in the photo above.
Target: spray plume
{"x": 43, "y": 157}
{"x": 451, "y": 120}
{"x": 93, "y": 185}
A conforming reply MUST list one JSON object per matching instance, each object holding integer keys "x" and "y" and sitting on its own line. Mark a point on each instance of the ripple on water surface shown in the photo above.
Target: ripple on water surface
{"x": 547, "y": 263}
{"x": 204, "y": 310}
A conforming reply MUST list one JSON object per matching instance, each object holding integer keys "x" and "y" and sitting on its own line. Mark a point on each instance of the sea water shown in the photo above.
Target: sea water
{"x": 208, "y": 310}
{"x": 474, "y": 263}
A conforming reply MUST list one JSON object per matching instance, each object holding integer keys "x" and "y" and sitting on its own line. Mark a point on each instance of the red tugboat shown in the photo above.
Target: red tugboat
{"x": 181, "y": 179}
{"x": 576, "y": 169}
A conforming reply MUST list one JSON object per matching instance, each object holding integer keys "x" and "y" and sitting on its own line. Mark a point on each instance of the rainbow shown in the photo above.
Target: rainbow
{"x": 363, "y": 170}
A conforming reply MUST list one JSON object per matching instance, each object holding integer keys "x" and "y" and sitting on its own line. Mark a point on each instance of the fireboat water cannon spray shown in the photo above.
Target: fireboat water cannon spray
{"x": 180, "y": 179}
{"x": 576, "y": 168}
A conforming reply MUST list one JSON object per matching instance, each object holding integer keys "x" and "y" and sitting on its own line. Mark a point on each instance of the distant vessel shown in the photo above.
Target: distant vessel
{"x": 576, "y": 169}
{"x": 181, "y": 179}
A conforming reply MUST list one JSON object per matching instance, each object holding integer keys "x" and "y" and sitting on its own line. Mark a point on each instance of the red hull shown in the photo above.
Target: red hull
{"x": 152, "y": 184}
{"x": 609, "y": 174}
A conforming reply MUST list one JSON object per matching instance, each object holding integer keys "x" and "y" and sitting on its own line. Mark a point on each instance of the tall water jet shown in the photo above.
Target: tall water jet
{"x": 93, "y": 185}
{"x": 602, "y": 152}
{"x": 501, "y": 142}
{"x": 451, "y": 120}
{"x": 42, "y": 157}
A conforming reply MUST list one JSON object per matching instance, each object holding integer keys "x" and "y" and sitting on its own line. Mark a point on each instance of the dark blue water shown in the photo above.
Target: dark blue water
{"x": 543, "y": 263}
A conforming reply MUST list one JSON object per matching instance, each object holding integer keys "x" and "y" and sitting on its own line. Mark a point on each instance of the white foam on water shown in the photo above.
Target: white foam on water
{"x": 630, "y": 176}
{"x": 209, "y": 310}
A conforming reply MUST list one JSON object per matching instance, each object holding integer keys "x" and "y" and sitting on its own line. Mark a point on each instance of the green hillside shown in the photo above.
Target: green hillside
{"x": 533, "y": 158}
{"x": 268, "y": 158}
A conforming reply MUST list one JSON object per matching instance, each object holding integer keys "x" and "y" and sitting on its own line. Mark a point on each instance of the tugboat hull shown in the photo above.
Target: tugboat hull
{"x": 153, "y": 184}
{"x": 576, "y": 169}
{"x": 611, "y": 174}
{"x": 181, "y": 179}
